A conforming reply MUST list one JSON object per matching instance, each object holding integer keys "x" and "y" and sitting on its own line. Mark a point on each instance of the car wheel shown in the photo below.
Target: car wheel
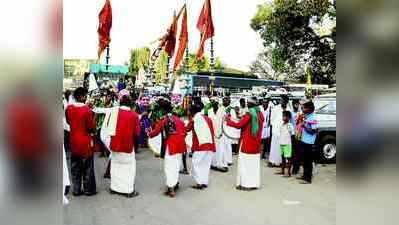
{"x": 328, "y": 149}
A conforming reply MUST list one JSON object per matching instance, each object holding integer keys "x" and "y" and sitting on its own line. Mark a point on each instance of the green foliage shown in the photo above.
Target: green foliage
{"x": 161, "y": 66}
{"x": 286, "y": 27}
{"x": 139, "y": 58}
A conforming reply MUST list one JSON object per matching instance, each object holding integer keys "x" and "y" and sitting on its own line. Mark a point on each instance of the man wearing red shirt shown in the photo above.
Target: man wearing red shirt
{"x": 82, "y": 125}
{"x": 248, "y": 176}
{"x": 203, "y": 146}
{"x": 123, "y": 170}
{"x": 174, "y": 134}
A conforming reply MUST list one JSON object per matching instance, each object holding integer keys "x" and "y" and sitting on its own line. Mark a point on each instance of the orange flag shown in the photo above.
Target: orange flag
{"x": 104, "y": 27}
{"x": 183, "y": 40}
{"x": 205, "y": 26}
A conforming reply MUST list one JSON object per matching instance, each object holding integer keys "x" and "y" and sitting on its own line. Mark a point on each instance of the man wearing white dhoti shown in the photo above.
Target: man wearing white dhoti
{"x": 248, "y": 174}
{"x": 174, "y": 144}
{"x": 123, "y": 170}
{"x": 216, "y": 113}
{"x": 203, "y": 146}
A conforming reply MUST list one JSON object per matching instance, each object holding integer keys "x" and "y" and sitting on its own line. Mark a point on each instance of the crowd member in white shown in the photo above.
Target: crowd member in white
{"x": 203, "y": 146}
{"x": 276, "y": 119}
{"x": 266, "y": 109}
{"x": 216, "y": 113}
{"x": 108, "y": 126}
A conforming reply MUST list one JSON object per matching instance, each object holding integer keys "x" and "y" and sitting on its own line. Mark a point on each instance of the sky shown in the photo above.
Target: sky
{"x": 139, "y": 23}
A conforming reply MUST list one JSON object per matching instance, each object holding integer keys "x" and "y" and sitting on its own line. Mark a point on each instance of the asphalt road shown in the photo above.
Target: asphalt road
{"x": 280, "y": 200}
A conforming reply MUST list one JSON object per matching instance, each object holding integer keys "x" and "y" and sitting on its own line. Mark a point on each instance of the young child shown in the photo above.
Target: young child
{"x": 286, "y": 131}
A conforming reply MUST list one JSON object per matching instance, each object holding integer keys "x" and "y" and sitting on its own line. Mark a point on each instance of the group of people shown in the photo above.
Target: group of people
{"x": 123, "y": 123}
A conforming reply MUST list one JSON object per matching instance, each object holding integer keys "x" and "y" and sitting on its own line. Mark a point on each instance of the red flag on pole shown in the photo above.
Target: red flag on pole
{"x": 170, "y": 38}
{"x": 104, "y": 27}
{"x": 183, "y": 40}
{"x": 205, "y": 26}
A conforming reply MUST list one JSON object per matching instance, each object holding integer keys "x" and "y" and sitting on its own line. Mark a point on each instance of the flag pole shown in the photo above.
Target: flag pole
{"x": 107, "y": 59}
{"x": 212, "y": 75}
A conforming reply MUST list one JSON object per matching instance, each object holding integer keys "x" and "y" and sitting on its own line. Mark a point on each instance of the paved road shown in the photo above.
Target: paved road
{"x": 279, "y": 201}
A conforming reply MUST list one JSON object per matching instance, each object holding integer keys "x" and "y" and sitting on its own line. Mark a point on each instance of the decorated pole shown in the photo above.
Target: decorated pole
{"x": 107, "y": 59}
{"x": 104, "y": 30}
{"x": 207, "y": 30}
{"x": 212, "y": 77}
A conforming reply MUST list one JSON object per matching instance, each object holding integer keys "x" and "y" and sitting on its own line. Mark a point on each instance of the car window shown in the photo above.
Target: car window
{"x": 330, "y": 108}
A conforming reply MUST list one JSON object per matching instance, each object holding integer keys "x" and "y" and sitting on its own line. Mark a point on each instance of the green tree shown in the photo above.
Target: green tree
{"x": 139, "y": 58}
{"x": 296, "y": 32}
{"x": 161, "y": 66}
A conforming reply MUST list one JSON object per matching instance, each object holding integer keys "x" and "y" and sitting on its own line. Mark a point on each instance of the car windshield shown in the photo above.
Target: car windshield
{"x": 330, "y": 108}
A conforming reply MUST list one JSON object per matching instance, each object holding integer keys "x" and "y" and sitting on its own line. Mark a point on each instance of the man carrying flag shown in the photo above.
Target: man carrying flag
{"x": 205, "y": 26}
{"x": 248, "y": 176}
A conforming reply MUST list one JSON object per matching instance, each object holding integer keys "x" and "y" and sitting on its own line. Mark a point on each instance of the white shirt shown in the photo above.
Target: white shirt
{"x": 286, "y": 130}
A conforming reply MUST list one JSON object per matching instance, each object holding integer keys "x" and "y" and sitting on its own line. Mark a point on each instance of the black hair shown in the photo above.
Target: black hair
{"x": 196, "y": 108}
{"x": 309, "y": 105}
{"x": 79, "y": 92}
{"x": 67, "y": 94}
{"x": 295, "y": 101}
{"x": 242, "y": 99}
{"x": 287, "y": 114}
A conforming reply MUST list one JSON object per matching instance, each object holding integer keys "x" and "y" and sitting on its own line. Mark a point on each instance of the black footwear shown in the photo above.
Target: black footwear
{"x": 133, "y": 194}
{"x": 229, "y": 164}
{"x": 77, "y": 194}
{"x": 204, "y": 186}
{"x": 214, "y": 168}
{"x": 177, "y": 186}
{"x": 239, "y": 187}
{"x": 90, "y": 193}
{"x": 198, "y": 187}
{"x": 67, "y": 190}
{"x": 224, "y": 169}
{"x": 107, "y": 176}
{"x": 185, "y": 172}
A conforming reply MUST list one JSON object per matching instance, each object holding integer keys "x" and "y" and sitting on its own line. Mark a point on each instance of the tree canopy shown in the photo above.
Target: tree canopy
{"x": 297, "y": 33}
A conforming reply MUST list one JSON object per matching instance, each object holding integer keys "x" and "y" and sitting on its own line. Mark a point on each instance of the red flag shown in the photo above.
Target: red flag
{"x": 205, "y": 26}
{"x": 183, "y": 39}
{"x": 104, "y": 27}
{"x": 170, "y": 38}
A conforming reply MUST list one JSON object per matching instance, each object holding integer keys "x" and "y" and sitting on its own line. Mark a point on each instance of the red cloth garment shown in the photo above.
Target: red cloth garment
{"x": 127, "y": 130}
{"x": 183, "y": 40}
{"x": 104, "y": 27}
{"x": 249, "y": 143}
{"x": 26, "y": 129}
{"x": 196, "y": 147}
{"x": 176, "y": 142}
{"x": 81, "y": 121}
{"x": 205, "y": 26}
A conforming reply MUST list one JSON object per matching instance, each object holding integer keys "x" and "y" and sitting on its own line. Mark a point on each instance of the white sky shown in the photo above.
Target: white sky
{"x": 138, "y": 23}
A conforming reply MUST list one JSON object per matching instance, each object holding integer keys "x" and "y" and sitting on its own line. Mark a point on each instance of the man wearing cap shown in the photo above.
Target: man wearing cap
{"x": 251, "y": 125}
